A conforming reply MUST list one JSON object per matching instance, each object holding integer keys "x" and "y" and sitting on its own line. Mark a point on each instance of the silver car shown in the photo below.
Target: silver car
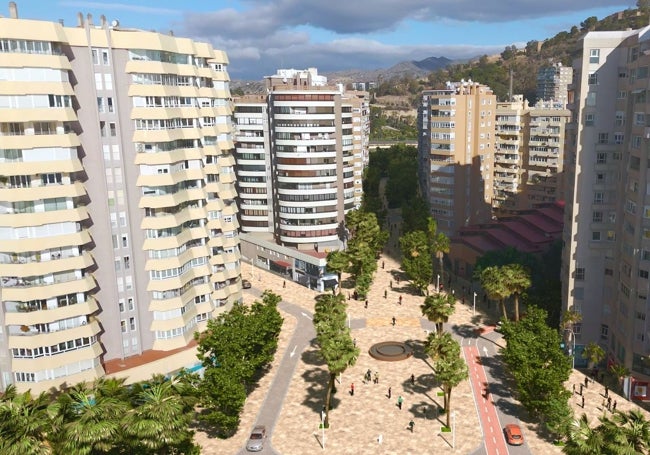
{"x": 256, "y": 439}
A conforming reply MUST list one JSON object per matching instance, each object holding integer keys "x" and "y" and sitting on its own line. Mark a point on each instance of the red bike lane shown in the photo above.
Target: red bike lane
{"x": 495, "y": 443}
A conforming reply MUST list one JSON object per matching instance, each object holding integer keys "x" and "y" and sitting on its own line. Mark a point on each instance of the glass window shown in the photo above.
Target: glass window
{"x": 594, "y": 55}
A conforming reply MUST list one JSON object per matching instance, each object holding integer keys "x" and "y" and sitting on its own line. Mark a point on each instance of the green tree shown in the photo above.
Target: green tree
{"x": 439, "y": 345}
{"x": 439, "y": 244}
{"x": 337, "y": 262}
{"x": 493, "y": 282}
{"x": 517, "y": 280}
{"x": 594, "y": 354}
{"x": 582, "y": 439}
{"x": 365, "y": 244}
{"x": 619, "y": 371}
{"x": 635, "y": 429}
{"x": 437, "y": 308}
{"x": 25, "y": 423}
{"x": 450, "y": 370}
{"x": 416, "y": 259}
{"x": 333, "y": 336}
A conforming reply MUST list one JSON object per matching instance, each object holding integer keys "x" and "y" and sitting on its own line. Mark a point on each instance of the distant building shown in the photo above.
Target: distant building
{"x": 455, "y": 153}
{"x": 301, "y": 150}
{"x": 552, "y": 83}
{"x": 528, "y": 154}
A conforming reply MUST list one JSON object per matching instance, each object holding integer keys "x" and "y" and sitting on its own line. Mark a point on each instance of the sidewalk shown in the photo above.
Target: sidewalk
{"x": 358, "y": 421}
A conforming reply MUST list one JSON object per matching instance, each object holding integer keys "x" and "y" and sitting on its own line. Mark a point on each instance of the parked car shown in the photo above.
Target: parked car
{"x": 256, "y": 439}
{"x": 514, "y": 435}
{"x": 246, "y": 284}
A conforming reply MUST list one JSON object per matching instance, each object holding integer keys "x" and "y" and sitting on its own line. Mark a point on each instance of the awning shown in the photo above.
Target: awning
{"x": 284, "y": 264}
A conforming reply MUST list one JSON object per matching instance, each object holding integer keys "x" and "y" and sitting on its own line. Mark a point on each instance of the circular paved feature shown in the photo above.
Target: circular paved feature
{"x": 390, "y": 351}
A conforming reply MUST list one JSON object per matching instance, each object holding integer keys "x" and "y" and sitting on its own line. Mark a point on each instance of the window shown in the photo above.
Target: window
{"x": 591, "y": 99}
{"x": 639, "y": 118}
{"x": 579, "y": 273}
{"x": 601, "y": 158}
{"x": 595, "y": 236}
{"x": 621, "y": 94}
{"x": 590, "y": 119}
{"x": 594, "y": 55}
{"x": 603, "y": 138}
{"x": 592, "y": 79}
{"x": 132, "y": 324}
{"x": 113, "y": 129}
{"x": 620, "y": 118}
{"x": 121, "y": 305}
{"x": 105, "y": 57}
{"x": 636, "y": 142}
{"x": 618, "y": 138}
{"x": 95, "y": 57}
{"x": 597, "y": 217}
{"x": 600, "y": 177}
{"x": 131, "y": 304}
{"x": 643, "y": 274}
{"x": 125, "y": 241}
{"x": 127, "y": 262}
{"x": 109, "y": 103}
{"x": 51, "y": 179}
{"x": 123, "y": 325}
{"x": 118, "y": 265}
{"x": 100, "y": 104}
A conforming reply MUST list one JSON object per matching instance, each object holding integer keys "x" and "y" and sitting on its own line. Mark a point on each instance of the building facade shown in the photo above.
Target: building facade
{"x": 552, "y": 83}
{"x": 455, "y": 153}
{"x": 117, "y": 196}
{"x": 606, "y": 259}
{"x": 528, "y": 154}
{"x": 301, "y": 150}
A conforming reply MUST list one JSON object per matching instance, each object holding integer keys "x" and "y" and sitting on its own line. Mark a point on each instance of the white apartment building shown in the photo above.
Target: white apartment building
{"x": 118, "y": 222}
{"x": 606, "y": 262}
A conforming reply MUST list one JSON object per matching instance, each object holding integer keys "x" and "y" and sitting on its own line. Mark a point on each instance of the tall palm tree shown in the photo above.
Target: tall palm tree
{"x": 517, "y": 280}
{"x": 438, "y": 244}
{"x": 493, "y": 281}
{"x": 620, "y": 371}
{"x": 437, "y": 308}
{"x": 439, "y": 346}
{"x": 25, "y": 423}
{"x": 336, "y": 345}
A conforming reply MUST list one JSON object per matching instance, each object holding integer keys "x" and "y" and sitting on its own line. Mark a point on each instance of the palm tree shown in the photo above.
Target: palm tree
{"x": 583, "y": 439}
{"x": 635, "y": 429}
{"x": 439, "y": 346}
{"x": 594, "y": 354}
{"x": 493, "y": 281}
{"x": 438, "y": 244}
{"x": 333, "y": 336}
{"x": 91, "y": 422}
{"x": 517, "y": 280}
{"x": 25, "y": 423}
{"x": 620, "y": 371}
{"x": 437, "y": 308}
{"x": 159, "y": 421}
{"x": 450, "y": 368}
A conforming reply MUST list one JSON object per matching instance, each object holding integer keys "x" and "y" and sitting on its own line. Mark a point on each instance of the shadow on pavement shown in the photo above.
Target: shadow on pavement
{"x": 316, "y": 380}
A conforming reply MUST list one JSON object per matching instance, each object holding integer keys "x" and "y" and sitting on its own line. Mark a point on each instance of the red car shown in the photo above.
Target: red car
{"x": 513, "y": 433}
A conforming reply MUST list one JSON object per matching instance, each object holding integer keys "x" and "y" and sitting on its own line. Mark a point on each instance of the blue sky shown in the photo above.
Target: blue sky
{"x": 260, "y": 36}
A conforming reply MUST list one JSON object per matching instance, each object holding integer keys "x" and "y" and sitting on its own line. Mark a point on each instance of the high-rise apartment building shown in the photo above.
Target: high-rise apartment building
{"x": 455, "y": 153}
{"x": 118, "y": 222}
{"x": 552, "y": 83}
{"x": 606, "y": 261}
{"x": 301, "y": 149}
{"x": 528, "y": 154}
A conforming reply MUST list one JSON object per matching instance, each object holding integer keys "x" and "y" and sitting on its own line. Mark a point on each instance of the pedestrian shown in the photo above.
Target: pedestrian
{"x": 394, "y": 321}
{"x": 463, "y": 300}
{"x": 412, "y": 379}
{"x": 376, "y": 380}
{"x": 352, "y": 389}
{"x": 380, "y": 438}
{"x": 400, "y": 299}
{"x": 366, "y": 305}
{"x": 354, "y": 342}
{"x": 390, "y": 392}
{"x": 284, "y": 284}
{"x": 391, "y": 284}
{"x": 400, "y": 400}
{"x": 609, "y": 402}
{"x": 367, "y": 376}
{"x": 614, "y": 406}
{"x": 581, "y": 387}
{"x": 385, "y": 293}
{"x": 411, "y": 425}
{"x": 574, "y": 388}
{"x": 382, "y": 264}
{"x": 397, "y": 280}
{"x": 606, "y": 391}
{"x": 583, "y": 402}
{"x": 586, "y": 382}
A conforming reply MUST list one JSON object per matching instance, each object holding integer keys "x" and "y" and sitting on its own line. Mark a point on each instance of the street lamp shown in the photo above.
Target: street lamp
{"x": 322, "y": 425}
{"x": 438, "y": 284}
{"x": 474, "y": 306}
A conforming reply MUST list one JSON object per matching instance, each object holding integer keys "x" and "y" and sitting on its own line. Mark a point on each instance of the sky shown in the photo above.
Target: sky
{"x": 260, "y": 36}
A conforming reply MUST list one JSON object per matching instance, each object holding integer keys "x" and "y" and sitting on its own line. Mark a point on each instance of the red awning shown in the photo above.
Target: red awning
{"x": 284, "y": 264}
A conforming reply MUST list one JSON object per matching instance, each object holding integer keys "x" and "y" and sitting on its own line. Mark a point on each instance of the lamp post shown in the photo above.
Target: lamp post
{"x": 474, "y": 305}
{"x": 438, "y": 284}
{"x": 322, "y": 425}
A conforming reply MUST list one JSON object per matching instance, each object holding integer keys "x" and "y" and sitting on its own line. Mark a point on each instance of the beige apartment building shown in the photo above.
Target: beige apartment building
{"x": 118, "y": 222}
{"x": 301, "y": 149}
{"x": 528, "y": 154}
{"x": 456, "y": 153}
{"x": 553, "y": 82}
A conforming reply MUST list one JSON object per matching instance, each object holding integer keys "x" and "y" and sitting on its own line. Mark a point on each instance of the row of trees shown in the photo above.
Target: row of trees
{"x": 365, "y": 241}
{"x": 235, "y": 350}
{"x": 503, "y": 282}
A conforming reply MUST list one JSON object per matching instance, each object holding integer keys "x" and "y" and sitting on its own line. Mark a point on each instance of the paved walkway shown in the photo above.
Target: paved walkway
{"x": 370, "y": 422}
